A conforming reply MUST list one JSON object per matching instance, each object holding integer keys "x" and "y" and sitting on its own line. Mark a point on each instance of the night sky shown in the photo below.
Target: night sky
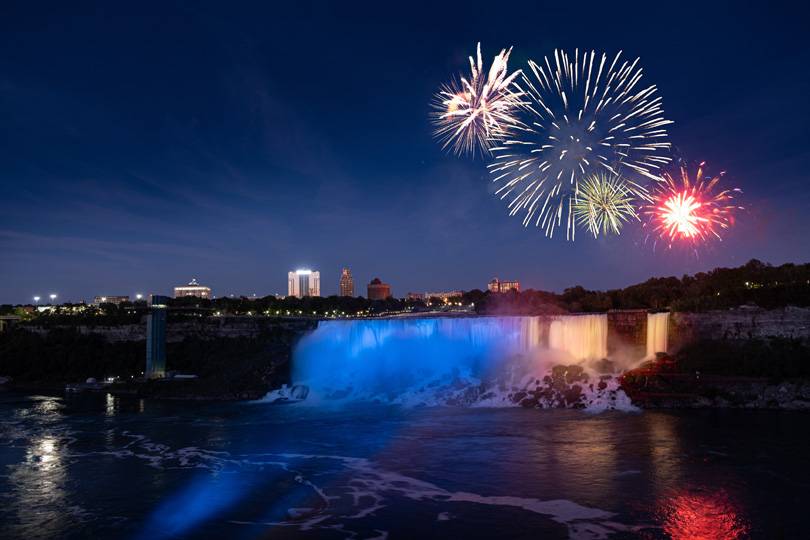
{"x": 139, "y": 150}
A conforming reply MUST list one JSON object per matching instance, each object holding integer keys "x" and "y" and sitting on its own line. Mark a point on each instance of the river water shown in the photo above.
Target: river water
{"x": 104, "y": 467}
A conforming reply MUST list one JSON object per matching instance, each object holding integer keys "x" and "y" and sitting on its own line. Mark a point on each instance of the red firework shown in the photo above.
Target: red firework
{"x": 687, "y": 210}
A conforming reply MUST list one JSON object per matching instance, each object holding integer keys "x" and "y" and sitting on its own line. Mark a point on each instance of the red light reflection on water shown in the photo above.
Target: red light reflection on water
{"x": 699, "y": 515}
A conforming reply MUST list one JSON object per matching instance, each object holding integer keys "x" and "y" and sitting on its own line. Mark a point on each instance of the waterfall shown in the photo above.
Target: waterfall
{"x": 390, "y": 359}
{"x": 657, "y": 327}
{"x": 471, "y": 361}
{"x": 584, "y": 337}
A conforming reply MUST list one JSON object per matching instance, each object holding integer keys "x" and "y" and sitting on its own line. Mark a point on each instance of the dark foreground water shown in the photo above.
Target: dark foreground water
{"x": 102, "y": 467}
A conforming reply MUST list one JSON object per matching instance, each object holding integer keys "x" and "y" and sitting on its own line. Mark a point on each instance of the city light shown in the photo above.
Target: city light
{"x": 36, "y": 299}
{"x": 138, "y": 296}
{"x": 52, "y": 296}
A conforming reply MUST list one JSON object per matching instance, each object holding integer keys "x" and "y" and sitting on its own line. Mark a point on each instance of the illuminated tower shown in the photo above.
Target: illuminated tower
{"x": 346, "y": 283}
{"x": 156, "y": 338}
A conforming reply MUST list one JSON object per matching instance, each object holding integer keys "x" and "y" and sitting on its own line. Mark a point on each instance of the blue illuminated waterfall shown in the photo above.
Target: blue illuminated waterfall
{"x": 440, "y": 360}
{"x": 402, "y": 359}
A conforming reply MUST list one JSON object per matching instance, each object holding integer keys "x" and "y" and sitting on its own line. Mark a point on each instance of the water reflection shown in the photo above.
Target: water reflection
{"x": 109, "y": 406}
{"x": 39, "y": 480}
{"x": 666, "y": 455}
{"x": 702, "y": 514}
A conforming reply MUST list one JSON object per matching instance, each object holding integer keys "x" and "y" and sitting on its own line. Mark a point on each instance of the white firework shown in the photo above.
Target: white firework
{"x": 472, "y": 115}
{"x": 584, "y": 115}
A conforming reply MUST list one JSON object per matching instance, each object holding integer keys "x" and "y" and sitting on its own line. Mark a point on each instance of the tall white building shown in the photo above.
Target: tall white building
{"x": 303, "y": 283}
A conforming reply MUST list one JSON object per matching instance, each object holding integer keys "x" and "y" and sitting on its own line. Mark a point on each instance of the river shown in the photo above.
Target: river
{"x": 106, "y": 467}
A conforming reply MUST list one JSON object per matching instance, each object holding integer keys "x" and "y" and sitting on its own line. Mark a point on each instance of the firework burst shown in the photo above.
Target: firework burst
{"x": 691, "y": 210}
{"x": 584, "y": 115}
{"x": 605, "y": 202}
{"x": 473, "y": 114}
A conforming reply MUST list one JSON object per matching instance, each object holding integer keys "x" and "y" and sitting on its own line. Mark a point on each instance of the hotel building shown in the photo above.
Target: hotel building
{"x": 498, "y": 286}
{"x": 443, "y": 295}
{"x": 346, "y": 285}
{"x": 377, "y": 290}
{"x": 303, "y": 283}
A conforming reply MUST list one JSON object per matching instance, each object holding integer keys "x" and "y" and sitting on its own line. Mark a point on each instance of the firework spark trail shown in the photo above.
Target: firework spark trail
{"x": 587, "y": 114}
{"x": 605, "y": 202}
{"x": 472, "y": 115}
{"x": 683, "y": 209}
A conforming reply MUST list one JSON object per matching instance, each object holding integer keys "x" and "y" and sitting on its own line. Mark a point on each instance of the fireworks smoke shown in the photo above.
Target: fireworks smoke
{"x": 690, "y": 210}
{"x": 604, "y": 202}
{"x": 473, "y": 114}
{"x": 585, "y": 115}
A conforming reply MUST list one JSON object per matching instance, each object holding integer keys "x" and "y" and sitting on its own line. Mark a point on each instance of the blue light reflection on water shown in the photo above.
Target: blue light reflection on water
{"x": 202, "y": 499}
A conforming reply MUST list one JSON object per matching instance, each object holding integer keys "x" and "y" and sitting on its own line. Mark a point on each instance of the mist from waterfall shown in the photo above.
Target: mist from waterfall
{"x": 657, "y": 333}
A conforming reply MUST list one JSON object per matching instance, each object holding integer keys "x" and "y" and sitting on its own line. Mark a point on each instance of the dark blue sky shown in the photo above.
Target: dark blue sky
{"x": 140, "y": 149}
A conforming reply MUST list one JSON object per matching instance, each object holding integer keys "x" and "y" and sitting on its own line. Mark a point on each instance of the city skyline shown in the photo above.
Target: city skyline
{"x": 234, "y": 168}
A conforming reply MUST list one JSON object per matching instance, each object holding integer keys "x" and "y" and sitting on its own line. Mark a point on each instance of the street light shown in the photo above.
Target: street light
{"x": 36, "y": 300}
{"x": 138, "y": 296}
{"x": 53, "y": 297}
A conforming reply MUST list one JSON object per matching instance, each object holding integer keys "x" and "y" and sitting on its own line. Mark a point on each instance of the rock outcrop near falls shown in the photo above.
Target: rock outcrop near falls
{"x": 571, "y": 387}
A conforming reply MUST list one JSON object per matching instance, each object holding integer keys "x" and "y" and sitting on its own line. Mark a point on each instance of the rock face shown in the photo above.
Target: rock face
{"x": 741, "y": 323}
{"x": 206, "y": 328}
{"x": 649, "y": 389}
{"x": 571, "y": 387}
{"x": 233, "y": 359}
{"x": 627, "y": 332}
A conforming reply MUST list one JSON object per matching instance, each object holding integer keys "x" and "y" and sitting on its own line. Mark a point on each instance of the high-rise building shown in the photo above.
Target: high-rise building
{"x": 498, "y": 286}
{"x": 303, "y": 283}
{"x": 192, "y": 289}
{"x": 346, "y": 283}
{"x": 377, "y": 290}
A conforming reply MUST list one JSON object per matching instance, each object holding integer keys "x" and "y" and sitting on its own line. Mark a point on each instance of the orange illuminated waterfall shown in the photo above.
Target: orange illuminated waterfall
{"x": 657, "y": 324}
{"x": 582, "y": 336}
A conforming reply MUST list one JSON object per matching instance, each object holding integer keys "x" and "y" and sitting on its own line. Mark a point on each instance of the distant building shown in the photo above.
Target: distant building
{"x": 498, "y": 286}
{"x": 303, "y": 283}
{"x": 426, "y": 296}
{"x": 444, "y": 295}
{"x": 377, "y": 290}
{"x": 346, "y": 283}
{"x": 98, "y": 300}
{"x": 192, "y": 289}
